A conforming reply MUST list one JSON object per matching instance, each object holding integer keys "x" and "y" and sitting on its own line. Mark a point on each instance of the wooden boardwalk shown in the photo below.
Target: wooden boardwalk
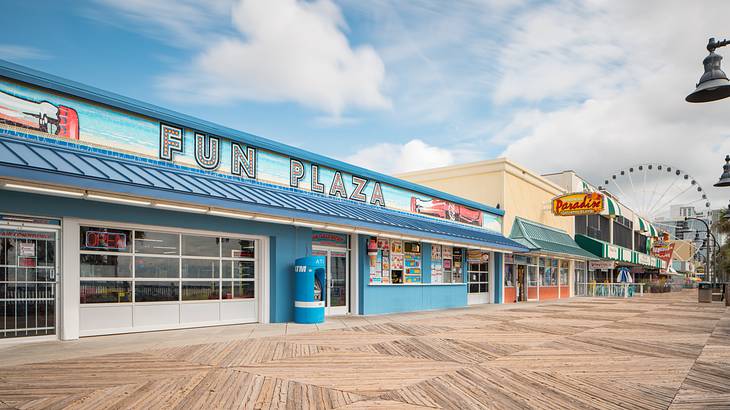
{"x": 655, "y": 352}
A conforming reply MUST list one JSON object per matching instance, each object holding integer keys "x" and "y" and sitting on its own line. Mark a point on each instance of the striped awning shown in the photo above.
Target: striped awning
{"x": 611, "y": 207}
{"x": 646, "y": 227}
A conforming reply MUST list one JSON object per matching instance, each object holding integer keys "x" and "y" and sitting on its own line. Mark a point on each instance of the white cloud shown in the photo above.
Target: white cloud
{"x": 17, "y": 53}
{"x": 179, "y": 23}
{"x": 609, "y": 86}
{"x": 395, "y": 158}
{"x": 285, "y": 51}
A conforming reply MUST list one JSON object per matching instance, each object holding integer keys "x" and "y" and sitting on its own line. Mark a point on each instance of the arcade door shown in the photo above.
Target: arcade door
{"x": 337, "y": 293}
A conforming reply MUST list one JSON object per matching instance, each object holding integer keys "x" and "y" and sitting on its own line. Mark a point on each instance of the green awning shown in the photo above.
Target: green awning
{"x": 606, "y": 250}
{"x": 612, "y": 207}
{"x": 541, "y": 238}
{"x": 647, "y": 227}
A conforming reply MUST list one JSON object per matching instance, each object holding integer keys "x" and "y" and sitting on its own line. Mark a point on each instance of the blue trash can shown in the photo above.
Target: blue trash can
{"x": 309, "y": 292}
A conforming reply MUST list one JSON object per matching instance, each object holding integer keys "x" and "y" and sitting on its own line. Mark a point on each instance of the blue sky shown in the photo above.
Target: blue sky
{"x": 395, "y": 86}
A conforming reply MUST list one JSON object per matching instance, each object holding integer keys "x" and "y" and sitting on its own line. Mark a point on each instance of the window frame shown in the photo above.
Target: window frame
{"x": 180, "y": 280}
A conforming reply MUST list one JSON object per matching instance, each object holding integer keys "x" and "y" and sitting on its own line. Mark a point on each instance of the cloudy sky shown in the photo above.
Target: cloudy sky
{"x": 595, "y": 85}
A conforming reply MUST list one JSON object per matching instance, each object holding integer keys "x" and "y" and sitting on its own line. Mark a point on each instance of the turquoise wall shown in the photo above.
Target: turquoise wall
{"x": 286, "y": 242}
{"x": 405, "y": 298}
{"x": 497, "y": 287}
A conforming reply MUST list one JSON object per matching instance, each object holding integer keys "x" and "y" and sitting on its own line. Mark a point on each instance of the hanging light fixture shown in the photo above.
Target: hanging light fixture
{"x": 725, "y": 177}
{"x": 714, "y": 84}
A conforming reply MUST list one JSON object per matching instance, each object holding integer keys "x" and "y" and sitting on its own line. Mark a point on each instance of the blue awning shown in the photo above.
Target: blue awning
{"x": 60, "y": 162}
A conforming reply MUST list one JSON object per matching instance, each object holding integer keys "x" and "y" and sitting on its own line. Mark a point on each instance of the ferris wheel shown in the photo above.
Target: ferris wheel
{"x": 650, "y": 190}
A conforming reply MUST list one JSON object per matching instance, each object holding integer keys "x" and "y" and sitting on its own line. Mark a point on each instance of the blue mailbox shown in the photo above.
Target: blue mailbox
{"x": 309, "y": 290}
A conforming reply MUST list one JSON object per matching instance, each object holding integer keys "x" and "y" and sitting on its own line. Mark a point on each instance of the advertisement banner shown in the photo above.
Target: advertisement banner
{"x": 579, "y": 203}
{"x": 29, "y": 111}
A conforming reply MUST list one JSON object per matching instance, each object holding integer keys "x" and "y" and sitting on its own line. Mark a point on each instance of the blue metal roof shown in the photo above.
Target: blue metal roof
{"x": 54, "y": 161}
{"x": 45, "y": 80}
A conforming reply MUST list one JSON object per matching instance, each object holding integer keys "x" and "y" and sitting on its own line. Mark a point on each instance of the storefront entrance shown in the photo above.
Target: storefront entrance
{"x": 28, "y": 285}
{"x": 521, "y": 283}
{"x": 337, "y": 282}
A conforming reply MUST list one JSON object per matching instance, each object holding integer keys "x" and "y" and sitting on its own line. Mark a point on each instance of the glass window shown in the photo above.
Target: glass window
{"x": 532, "y": 278}
{"x": 564, "y": 268}
{"x": 163, "y": 267}
{"x": 155, "y": 267}
{"x": 200, "y": 290}
{"x": 105, "y": 291}
{"x": 240, "y": 269}
{"x": 106, "y": 266}
{"x": 509, "y": 275}
{"x": 201, "y": 268}
{"x": 238, "y": 248}
{"x": 156, "y": 291}
{"x": 243, "y": 290}
{"x": 156, "y": 243}
{"x": 200, "y": 246}
{"x": 105, "y": 239}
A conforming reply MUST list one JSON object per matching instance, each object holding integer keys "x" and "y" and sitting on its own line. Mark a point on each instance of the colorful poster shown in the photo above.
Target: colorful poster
{"x": 446, "y": 252}
{"x": 447, "y": 264}
{"x": 396, "y": 262}
{"x": 396, "y": 246}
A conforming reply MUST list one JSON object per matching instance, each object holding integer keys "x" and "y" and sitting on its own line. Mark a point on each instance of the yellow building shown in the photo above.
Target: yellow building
{"x": 501, "y": 183}
{"x": 549, "y": 270}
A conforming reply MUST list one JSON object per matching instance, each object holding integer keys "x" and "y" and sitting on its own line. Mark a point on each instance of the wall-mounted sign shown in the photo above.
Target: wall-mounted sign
{"x": 320, "y": 238}
{"x": 579, "y": 203}
{"x": 33, "y": 111}
{"x": 601, "y": 265}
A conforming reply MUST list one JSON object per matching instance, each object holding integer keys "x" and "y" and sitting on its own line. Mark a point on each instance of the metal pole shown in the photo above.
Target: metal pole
{"x": 710, "y": 278}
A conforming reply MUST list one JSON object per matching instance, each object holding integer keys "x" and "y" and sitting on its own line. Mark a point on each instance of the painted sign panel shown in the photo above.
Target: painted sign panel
{"x": 34, "y": 111}
{"x": 601, "y": 265}
{"x": 579, "y": 203}
{"x": 320, "y": 238}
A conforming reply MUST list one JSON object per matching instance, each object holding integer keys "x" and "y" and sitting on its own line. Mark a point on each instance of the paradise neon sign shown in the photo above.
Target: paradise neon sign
{"x": 580, "y": 203}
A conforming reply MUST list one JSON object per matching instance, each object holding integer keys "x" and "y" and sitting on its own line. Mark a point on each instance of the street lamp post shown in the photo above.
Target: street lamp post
{"x": 713, "y": 85}
{"x": 707, "y": 248}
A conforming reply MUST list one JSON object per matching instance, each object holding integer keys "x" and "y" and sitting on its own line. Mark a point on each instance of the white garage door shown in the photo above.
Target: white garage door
{"x": 140, "y": 279}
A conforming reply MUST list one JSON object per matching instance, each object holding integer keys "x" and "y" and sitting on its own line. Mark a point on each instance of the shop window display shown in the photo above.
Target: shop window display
{"x": 446, "y": 264}
{"x": 393, "y": 261}
{"x": 127, "y": 266}
{"x": 564, "y": 269}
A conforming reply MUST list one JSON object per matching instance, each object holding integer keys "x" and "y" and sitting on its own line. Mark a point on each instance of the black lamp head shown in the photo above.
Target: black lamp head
{"x": 714, "y": 84}
{"x": 725, "y": 177}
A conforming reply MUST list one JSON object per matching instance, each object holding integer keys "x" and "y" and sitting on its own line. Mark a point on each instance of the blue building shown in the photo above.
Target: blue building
{"x": 119, "y": 216}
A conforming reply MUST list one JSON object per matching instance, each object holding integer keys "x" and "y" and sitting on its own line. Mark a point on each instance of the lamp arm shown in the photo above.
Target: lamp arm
{"x": 712, "y": 44}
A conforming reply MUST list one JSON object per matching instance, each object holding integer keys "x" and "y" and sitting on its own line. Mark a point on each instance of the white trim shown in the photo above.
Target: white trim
{"x": 355, "y": 274}
{"x": 315, "y": 304}
{"x": 68, "y": 297}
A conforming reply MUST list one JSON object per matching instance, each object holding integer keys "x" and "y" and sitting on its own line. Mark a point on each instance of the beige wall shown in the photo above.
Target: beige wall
{"x": 517, "y": 190}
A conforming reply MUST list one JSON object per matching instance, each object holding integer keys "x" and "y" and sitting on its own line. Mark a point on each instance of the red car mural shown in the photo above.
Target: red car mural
{"x": 41, "y": 116}
{"x": 446, "y": 210}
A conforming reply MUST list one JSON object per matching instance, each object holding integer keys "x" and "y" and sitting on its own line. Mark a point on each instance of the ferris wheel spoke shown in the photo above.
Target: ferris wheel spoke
{"x": 650, "y": 204}
{"x": 669, "y": 202}
{"x": 674, "y": 182}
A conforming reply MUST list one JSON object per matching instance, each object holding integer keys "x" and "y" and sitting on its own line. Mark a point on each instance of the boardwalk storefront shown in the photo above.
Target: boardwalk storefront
{"x": 549, "y": 270}
{"x": 117, "y": 216}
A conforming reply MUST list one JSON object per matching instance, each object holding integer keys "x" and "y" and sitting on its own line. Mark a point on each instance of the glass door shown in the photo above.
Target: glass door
{"x": 337, "y": 281}
{"x": 27, "y": 283}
